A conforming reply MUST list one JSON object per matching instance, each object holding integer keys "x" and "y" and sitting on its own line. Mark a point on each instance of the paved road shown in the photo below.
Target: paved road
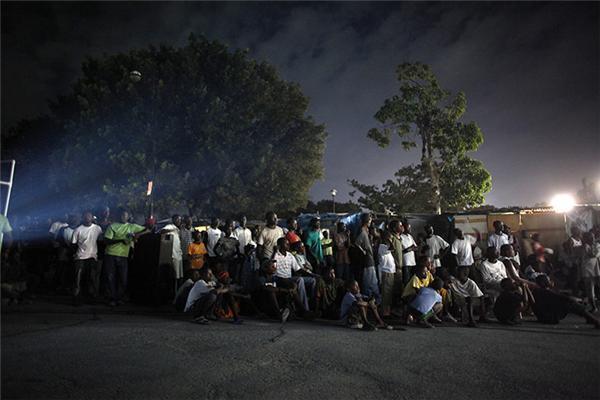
{"x": 71, "y": 353}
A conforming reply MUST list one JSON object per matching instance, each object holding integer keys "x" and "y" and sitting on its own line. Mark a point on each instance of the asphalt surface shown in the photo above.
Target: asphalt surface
{"x": 61, "y": 352}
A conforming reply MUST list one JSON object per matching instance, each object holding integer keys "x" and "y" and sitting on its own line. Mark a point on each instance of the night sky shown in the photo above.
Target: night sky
{"x": 530, "y": 72}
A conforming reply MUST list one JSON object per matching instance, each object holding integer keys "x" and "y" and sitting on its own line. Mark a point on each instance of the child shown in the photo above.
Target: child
{"x": 426, "y": 303}
{"x": 197, "y": 251}
{"x": 226, "y": 307}
{"x": 509, "y": 303}
{"x": 354, "y": 310}
{"x": 327, "y": 244}
{"x": 421, "y": 278}
{"x": 387, "y": 271}
{"x": 465, "y": 290}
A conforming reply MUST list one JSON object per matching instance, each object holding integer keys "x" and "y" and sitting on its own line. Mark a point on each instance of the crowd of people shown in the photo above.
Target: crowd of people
{"x": 372, "y": 277}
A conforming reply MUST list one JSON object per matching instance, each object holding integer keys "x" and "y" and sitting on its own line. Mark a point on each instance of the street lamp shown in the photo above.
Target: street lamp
{"x": 563, "y": 203}
{"x": 333, "y": 193}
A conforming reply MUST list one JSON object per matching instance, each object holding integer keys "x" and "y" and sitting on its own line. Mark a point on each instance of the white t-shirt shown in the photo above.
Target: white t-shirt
{"x": 408, "y": 258}
{"x": 463, "y": 250}
{"x": 199, "y": 289}
{"x": 493, "y": 272}
{"x": 213, "y": 237}
{"x": 176, "y": 254}
{"x": 244, "y": 236}
{"x": 268, "y": 239}
{"x": 386, "y": 259}
{"x": 55, "y": 227}
{"x": 436, "y": 244}
{"x": 86, "y": 239}
{"x": 495, "y": 240}
{"x": 285, "y": 264}
{"x": 467, "y": 289}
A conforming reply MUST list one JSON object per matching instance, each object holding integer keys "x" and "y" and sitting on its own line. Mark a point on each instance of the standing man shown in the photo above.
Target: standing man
{"x": 314, "y": 245}
{"x": 396, "y": 230}
{"x": 119, "y": 238}
{"x": 243, "y": 234}
{"x": 462, "y": 249}
{"x": 498, "y": 237}
{"x": 267, "y": 239}
{"x": 436, "y": 247}
{"x": 213, "y": 234}
{"x": 186, "y": 239}
{"x": 341, "y": 240}
{"x": 85, "y": 237}
{"x": 174, "y": 229}
{"x": 409, "y": 246}
{"x": 363, "y": 243}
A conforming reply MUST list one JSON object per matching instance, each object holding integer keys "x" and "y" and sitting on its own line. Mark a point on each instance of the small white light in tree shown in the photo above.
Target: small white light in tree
{"x": 563, "y": 203}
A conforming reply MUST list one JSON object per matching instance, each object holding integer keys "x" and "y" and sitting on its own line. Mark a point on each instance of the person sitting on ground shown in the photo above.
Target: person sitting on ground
{"x": 202, "y": 297}
{"x": 287, "y": 272}
{"x": 355, "y": 307}
{"x": 422, "y": 278}
{"x": 426, "y": 304}
{"x": 510, "y": 303}
{"x": 492, "y": 272}
{"x": 273, "y": 299}
{"x": 550, "y": 307}
{"x": 331, "y": 292}
{"x": 184, "y": 290}
{"x": 226, "y": 306}
{"x": 387, "y": 271}
{"x": 464, "y": 291}
{"x": 197, "y": 251}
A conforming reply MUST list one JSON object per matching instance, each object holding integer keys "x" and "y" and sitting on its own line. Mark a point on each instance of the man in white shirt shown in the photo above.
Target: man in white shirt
{"x": 286, "y": 265}
{"x": 462, "y": 248}
{"x": 435, "y": 245}
{"x": 243, "y": 234}
{"x": 85, "y": 237}
{"x": 173, "y": 229}
{"x": 492, "y": 271}
{"x": 498, "y": 237}
{"x": 408, "y": 253}
{"x": 202, "y": 297}
{"x": 213, "y": 234}
{"x": 267, "y": 239}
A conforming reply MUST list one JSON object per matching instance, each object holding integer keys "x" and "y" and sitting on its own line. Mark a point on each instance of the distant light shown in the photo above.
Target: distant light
{"x": 333, "y": 192}
{"x": 563, "y": 203}
{"x": 149, "y": 188}
{"x": 135, "y": 76}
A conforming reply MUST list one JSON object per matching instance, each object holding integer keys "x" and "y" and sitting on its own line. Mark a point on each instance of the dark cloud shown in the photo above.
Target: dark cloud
{"x": 530, "y": 72}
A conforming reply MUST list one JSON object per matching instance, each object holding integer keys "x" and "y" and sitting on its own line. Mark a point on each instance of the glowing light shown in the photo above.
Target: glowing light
{"x": 563, "y": 203}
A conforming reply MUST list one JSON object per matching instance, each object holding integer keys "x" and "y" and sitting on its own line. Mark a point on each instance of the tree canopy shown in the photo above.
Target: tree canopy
{"x": 216, "y": 132}
{"x": 425, "y": 116}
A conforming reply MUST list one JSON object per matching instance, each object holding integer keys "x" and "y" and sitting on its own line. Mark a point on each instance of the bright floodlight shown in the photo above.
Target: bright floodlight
{"x": 563, "y": 203}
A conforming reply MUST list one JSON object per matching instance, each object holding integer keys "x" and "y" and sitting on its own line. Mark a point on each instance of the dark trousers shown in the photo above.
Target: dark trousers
{"x": 116, "y": 273}
{"x": 88, "y": 271}
{"x": 203, "y": 305}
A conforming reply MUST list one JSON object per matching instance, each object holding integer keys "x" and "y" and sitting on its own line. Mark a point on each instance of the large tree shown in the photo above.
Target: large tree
{"x": 216, "y": 132}
{"x": 428, "y": 117}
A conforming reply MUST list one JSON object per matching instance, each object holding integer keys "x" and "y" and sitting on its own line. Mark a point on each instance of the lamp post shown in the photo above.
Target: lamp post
{"x": 333, "y": 193}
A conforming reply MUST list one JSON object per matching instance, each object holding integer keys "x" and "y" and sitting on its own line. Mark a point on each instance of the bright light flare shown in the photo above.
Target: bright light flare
{"x": 563, "y": 203}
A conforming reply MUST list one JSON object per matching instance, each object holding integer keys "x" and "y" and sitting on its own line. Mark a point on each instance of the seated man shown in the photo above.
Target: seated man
{"x": 202, "y": 297}
{"x": 492, "y": 272}
{"x": 288, "y": 267}
{"x": 550, "y": 307}
{"x": 331, "y": 292}
{"x": 273, "y": 299}
{"x": 465, "y": 290}
{"x": 353, "y": 311}
{"x": 510, "y": 303}
{"x": 426, "y": 303}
